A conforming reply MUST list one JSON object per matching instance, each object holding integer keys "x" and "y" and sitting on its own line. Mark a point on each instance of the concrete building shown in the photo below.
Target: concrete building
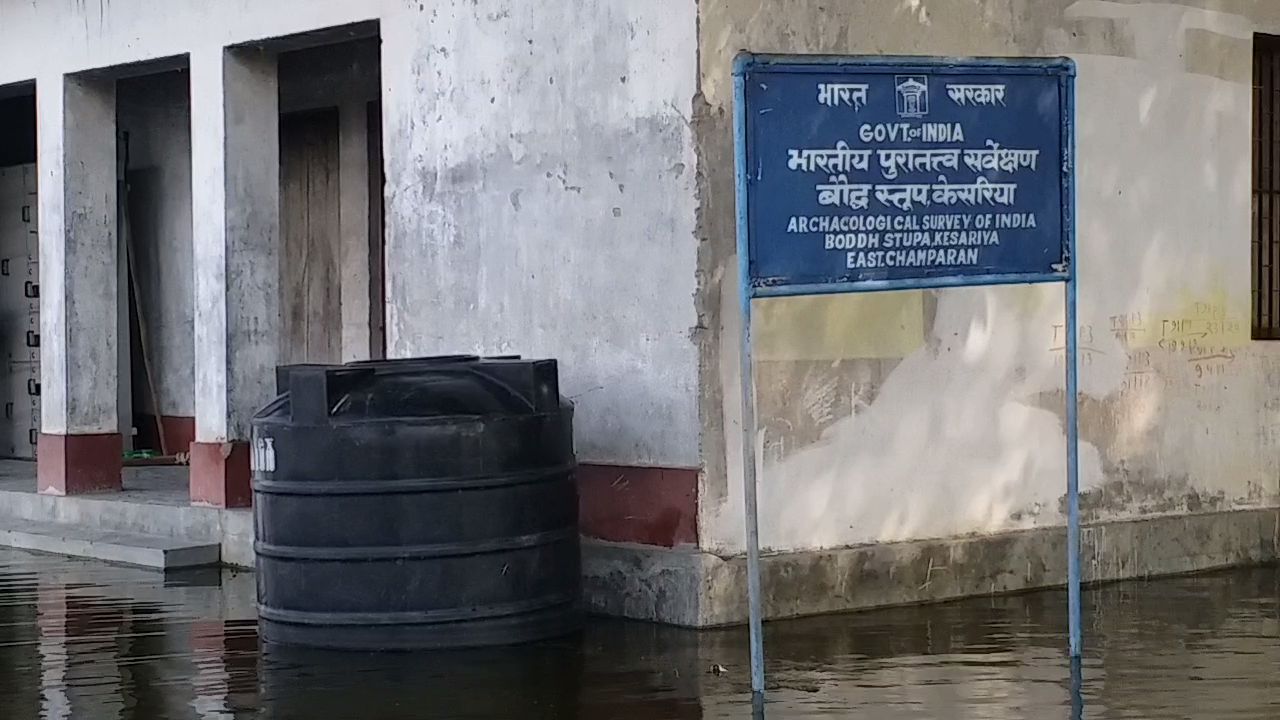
{"x": 328, "y": 180}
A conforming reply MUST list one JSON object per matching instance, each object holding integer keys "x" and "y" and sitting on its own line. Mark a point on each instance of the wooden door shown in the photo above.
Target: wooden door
{"x": 310, "y": 301}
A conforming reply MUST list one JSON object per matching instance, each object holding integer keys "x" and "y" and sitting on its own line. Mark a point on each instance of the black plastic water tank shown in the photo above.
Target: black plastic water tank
{"x": 421, "y": 503}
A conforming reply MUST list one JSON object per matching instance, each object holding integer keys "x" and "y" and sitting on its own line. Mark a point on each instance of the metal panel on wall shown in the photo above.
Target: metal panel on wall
{"x": 19, "y": 313}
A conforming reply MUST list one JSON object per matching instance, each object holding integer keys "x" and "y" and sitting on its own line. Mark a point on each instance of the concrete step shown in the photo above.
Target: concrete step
{"x": 150, "y": 551}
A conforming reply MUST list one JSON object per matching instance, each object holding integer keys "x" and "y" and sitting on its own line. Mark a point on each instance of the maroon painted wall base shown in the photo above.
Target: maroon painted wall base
{"x": 220, "y": 475}
{"x": 650, "y": 506}
{"x": 79, "y": 464}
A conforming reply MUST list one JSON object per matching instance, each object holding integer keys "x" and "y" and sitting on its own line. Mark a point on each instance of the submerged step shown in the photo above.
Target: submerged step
{"x": 150, "y": 551}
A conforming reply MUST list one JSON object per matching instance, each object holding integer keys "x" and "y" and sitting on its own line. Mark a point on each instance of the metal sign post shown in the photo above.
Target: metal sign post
{"x": 865, "y": 174}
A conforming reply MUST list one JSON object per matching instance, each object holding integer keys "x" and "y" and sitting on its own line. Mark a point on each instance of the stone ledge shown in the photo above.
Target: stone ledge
{"x": 646, "y": 582}
{"x": 684, "y": 586}
{"x": 160, "y": 510}
{"x": 149, "y": 551}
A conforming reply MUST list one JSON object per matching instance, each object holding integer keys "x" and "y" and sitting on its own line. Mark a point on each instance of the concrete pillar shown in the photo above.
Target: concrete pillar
{"x": 235, "y": 182}
{"x": 80, "y": 444}
{"x": 353, "y": 253}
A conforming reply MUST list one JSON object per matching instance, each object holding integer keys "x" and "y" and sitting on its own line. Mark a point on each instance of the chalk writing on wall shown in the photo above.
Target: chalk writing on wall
{"x": 1086, "y": 347}
{"x": 1195, "y": 348}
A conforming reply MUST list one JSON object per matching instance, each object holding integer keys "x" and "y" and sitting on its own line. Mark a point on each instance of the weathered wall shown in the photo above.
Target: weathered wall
{"x": 540, "y": 184}
{"x": 156, "y": 112}
{"x": 926, "y": 415}
{"x": 540, "y": 192}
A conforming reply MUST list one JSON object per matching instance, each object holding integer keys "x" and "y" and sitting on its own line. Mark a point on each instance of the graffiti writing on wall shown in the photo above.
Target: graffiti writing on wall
{"x": 1086, "y": 346}
{"x": 1203, "y": 335}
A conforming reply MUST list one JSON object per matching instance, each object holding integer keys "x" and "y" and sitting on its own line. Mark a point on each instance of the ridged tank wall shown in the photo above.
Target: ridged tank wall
{"x": 424, "y": 503}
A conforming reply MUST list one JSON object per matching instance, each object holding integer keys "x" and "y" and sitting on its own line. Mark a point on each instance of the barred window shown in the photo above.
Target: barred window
{"x": 1266, "y": 188}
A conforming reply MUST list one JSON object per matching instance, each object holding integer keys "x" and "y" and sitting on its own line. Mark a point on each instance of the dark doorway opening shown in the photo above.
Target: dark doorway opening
{"x": 153, "y": 113}
{"x": 19, "y": 274}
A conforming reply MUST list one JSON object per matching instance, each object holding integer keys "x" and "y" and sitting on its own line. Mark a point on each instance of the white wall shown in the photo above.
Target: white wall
{"x": 958, "y": 425}
{"x": 540, "y": 201}
{"x": 540, "y": 174}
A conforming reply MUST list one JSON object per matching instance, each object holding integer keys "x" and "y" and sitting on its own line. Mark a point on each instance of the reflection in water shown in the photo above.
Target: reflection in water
{"x": 1077, "y": 689}
{"x": 527, "y": 682}
{"x": 51, "y": 618}
{"x": 85, "y": 640}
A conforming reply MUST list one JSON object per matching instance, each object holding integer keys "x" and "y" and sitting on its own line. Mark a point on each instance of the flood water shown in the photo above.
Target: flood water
{"x": 84, "y": 640}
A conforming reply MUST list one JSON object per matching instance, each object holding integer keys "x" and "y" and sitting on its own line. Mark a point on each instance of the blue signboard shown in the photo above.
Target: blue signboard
{"x": 862, "y": 174}
{"x": 905, "y": 172}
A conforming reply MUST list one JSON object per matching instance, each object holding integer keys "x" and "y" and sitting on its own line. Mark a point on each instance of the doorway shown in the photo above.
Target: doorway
{"x": 157, "y": 331}
{"x": 331, "y": 209}
{"x": 19, "y": 274}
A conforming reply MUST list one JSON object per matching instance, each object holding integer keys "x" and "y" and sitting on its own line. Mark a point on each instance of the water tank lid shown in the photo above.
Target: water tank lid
{"x": 443, "y": 392}
{"x": 467, "y": 388}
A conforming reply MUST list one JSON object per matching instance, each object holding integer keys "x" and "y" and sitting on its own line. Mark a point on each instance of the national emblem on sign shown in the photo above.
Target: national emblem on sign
{"x": 913, "y": 95}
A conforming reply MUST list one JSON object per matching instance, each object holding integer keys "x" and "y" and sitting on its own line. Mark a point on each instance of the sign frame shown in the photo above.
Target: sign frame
{"x": 750, "y": 288}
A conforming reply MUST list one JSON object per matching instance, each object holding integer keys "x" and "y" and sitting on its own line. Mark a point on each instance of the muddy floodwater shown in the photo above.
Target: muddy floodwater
{"x": 83, "y": 640}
